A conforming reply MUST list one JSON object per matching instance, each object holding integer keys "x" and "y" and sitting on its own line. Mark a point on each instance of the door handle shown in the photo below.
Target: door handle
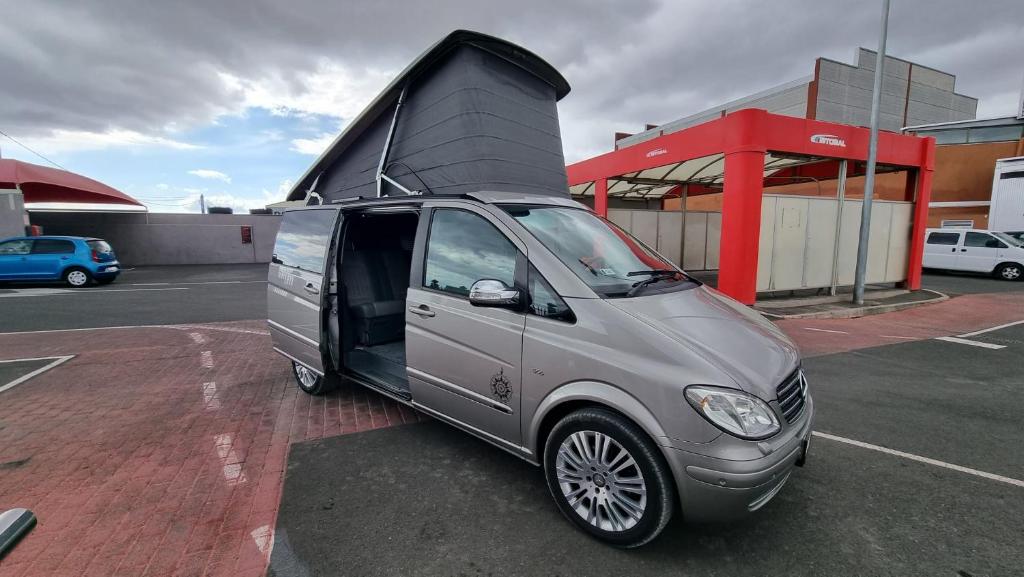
{"x": 422, "y": 310}
{"x": 963, "y": 250}
{"x": 311, "y": 288}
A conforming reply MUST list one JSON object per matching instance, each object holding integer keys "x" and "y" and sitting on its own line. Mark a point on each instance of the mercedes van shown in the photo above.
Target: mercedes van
{"x": 441, "y": 262}
{"x": 550, "y": 332}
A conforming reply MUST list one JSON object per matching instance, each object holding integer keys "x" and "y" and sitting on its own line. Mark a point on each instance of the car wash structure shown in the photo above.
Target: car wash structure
{"x": 787, "y": 221}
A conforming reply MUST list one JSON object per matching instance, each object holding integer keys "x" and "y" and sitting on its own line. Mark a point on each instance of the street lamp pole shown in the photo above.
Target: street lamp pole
{"x": 869, "y": 175}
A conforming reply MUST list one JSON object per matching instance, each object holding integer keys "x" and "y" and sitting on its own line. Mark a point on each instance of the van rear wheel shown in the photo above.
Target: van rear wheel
{"x": 1010, "y": 271}
{"x": 313, "y": 383}
{"x": 607, "y": 477}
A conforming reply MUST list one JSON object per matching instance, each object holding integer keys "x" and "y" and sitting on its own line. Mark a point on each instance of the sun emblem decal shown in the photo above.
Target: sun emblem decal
{"x": 501, "y": 387}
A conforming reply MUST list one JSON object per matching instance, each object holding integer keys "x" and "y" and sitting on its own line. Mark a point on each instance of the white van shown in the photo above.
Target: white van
{"x": 974, "y": 250}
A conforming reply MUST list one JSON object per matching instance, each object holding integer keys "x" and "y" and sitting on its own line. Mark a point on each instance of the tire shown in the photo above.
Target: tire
{"x": 76, "y": 277}
{"x": 313, "y": 383}
{"x": 617, "y": 513}
{"x": 1009, "y": 271}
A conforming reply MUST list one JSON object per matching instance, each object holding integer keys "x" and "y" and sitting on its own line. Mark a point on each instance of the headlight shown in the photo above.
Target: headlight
{"x": 735, "y": 412}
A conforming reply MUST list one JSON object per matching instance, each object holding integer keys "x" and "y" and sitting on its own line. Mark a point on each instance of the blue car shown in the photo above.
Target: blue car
{"x": 75, "y": 260}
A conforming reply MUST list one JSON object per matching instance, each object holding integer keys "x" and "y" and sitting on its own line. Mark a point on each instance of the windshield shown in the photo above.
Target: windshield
{"x": 1008, "y": 239}
{"x": 603, "y": 255}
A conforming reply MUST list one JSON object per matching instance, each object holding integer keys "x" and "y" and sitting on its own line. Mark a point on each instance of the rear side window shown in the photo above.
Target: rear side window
{"x": 463, "y": 249}
{"x": 947, "y": 238}
{"x": 16, "y": 247}
{"x": 99, "y": 245}
{"x": 53, "y": 246}
{"x": 303, "y": 239}
{"x": 982, "y": 240}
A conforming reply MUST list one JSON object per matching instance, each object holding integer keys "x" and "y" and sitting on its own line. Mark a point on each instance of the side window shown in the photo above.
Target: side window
{"x": 53, "y": 246}
{"x": 982, "y": 240}
{"x": 544, "y": 302}
{"x": 946, "y": 238}
{"x": 16, "y": 247}
{"x": 464, "y": 248}
{"x": 303, "y": 239}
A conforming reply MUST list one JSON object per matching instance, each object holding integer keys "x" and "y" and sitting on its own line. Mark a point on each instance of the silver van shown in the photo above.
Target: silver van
{"x": 548, "y": 331}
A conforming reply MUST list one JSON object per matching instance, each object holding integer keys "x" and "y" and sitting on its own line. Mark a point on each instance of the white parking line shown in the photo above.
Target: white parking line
{"x": 121, "y": 327}
{"x": 43, "y": 369}
{"x": 996, "y": 328}
{"x": 920, "y": 459}
{"x": 62, "y": 292}
{"x": 960, "y": 341}
{"x": 826, "y": 331}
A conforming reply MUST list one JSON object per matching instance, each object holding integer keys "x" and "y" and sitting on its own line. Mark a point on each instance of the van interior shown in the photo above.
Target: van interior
{"x": 375, "y": 263}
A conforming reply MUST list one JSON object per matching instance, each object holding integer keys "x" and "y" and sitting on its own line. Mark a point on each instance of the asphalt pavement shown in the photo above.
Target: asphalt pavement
{"x": 427, "y": 499}
{"x": 141, "y": 296}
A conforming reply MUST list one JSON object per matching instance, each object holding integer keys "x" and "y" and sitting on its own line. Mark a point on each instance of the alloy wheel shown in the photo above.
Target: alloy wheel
{"x": 601, "y": 481}
{"x": 1011, "y": 273}
{"x": 306, "y": 376}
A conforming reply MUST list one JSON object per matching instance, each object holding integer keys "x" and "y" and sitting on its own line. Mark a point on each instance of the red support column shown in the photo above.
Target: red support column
{"x": 741, "y": 224}
{"x": 921, "y": 200}
{"x": 601, "y": 197}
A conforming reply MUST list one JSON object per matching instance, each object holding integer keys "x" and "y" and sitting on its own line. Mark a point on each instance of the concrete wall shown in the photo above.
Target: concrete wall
{"x": 911, "y": 94}
{"x": 163, "y": 239}
{"x": 12, "y": 213}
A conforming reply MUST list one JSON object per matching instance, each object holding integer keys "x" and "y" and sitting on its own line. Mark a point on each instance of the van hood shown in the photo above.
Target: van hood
{"x": 735, "y": 339}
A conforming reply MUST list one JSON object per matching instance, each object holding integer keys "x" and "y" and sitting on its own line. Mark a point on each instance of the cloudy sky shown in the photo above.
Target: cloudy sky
{"x": 235, "y": 98}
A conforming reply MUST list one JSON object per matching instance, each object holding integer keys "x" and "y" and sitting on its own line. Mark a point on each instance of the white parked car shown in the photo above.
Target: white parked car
{"x": 974, "y": 250}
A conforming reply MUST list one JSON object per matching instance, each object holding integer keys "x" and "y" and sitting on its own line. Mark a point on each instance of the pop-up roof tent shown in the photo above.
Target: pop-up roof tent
{"x": 472, "y": 113}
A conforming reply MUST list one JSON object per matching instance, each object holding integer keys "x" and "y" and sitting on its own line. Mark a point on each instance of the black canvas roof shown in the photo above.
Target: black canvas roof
{"x": 474, "y": 113}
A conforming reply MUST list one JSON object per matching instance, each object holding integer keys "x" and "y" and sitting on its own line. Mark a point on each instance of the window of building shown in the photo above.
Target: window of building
{"x": 464, "y": 248}
{"x": 958, "y": 136}
{"x": 53, "y": 246}
{"x": 947, "y": 238}
{"x": 994, "y": 133}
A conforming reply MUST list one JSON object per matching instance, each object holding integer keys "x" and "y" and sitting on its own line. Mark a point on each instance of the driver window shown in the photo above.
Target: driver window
{"x": 464, "y": 248}
{"x": 982, "y": 240}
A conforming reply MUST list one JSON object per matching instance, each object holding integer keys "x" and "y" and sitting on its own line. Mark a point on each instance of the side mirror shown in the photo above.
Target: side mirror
{"x": 493, "y": 293}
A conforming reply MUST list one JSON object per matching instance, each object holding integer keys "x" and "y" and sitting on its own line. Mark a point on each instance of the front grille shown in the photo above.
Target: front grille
{"x": 792, "y": 394}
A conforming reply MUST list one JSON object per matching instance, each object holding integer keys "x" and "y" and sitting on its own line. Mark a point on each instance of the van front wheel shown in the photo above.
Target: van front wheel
{"x": 313, "y": 383}
{"x": 607, "y": 477}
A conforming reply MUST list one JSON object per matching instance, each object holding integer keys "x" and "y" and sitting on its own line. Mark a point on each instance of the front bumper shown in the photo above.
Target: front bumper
{"x": 713, "y": 489}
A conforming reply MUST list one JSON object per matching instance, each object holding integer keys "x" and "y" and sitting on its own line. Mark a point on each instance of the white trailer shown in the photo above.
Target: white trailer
{"x": 1006, "y": 213}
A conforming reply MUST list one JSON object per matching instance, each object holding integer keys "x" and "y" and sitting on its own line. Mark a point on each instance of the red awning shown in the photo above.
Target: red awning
{"x": 44, "y": 184}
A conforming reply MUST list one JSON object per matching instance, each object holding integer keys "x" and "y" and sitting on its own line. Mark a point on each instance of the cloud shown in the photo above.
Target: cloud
{"x": 629, "y": 62}
{"x": 61, "y": 140}
{"x": 313, "y": 146}
{"x": 210, "y": 174}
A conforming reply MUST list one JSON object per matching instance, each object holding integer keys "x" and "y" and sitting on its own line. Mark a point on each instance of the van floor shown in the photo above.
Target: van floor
{"x": 382, "y": 363}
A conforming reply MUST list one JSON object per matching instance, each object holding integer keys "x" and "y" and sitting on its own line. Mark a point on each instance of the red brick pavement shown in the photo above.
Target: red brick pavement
{"x": 159, "y": 451}
{"x": 952, "y": 317}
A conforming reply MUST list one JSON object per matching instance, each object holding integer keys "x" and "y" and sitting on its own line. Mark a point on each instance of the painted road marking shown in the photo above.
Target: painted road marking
{"x": 60, "y": 292}
{"x": 196, "y": 283}
{"x": 920, "y": 459}
{"x": 996, "y": 328}
{"x": 43, "y": 369}
{"x": 120, "y": 327}
{"x": 826, "y": 331}
{"x": 970, "y": 342}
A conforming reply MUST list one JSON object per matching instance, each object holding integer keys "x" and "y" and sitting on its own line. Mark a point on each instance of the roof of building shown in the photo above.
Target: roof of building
{"x": 957, "y": 124}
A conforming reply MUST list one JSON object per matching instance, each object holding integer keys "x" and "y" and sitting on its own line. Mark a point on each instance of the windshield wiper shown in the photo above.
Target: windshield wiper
{"x": 655, "y": 276}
